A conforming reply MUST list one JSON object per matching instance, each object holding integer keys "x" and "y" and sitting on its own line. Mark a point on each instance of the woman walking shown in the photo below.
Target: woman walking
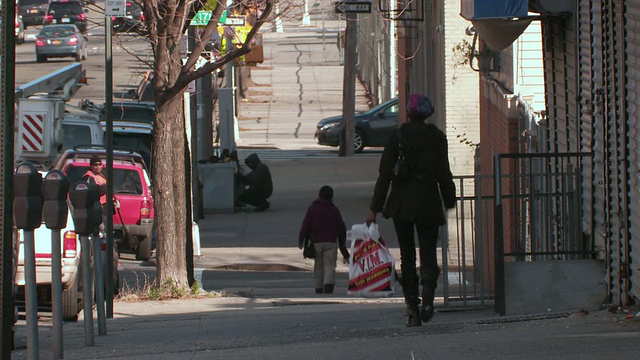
{"x": 415, "y": 202}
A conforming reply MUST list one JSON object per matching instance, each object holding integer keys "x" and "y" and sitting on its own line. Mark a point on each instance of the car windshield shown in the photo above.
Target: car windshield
{"x": 32, "y": 2}
{"x": 58, "y": 31}
{"x": 124, "y": 180}
{"x": 132, "y": 114}
{"x": 65, "y": 8}
{"x": 75, "y": 135}
{"x": 140, "y": 143}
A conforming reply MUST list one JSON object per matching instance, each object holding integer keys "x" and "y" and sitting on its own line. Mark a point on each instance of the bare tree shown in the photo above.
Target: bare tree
{"x": 165, "y": 22}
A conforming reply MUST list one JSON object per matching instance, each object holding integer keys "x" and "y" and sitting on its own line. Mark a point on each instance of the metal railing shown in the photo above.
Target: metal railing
{"x": 464, "y": 272}
{"x": 530, "y": 210}
{"x": 537, "y": 211}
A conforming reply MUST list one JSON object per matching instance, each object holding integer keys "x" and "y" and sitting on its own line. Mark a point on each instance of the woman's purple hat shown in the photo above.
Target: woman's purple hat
{"x": 419, "y": 106}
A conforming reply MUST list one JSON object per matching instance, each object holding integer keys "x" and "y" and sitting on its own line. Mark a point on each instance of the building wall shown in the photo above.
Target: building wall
{"x": 461, "y": 88}
{"x": 499, "y": 135}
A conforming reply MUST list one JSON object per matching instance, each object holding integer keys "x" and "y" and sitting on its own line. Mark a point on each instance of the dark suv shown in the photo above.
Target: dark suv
{"x": 32, "y": 11}
{"x": 132, "y": 21}
{"x": 67, "y": 12}
{"x": 134, "y": 218}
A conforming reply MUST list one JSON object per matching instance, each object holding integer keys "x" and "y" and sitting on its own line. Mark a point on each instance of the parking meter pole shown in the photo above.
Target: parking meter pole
{"x": 55, "y": 189}
{"x": 27, "y": 215}
{"x": 99, "y": 285}
{"x": 56, "y": 294}
{"x": 86, "y": 291}
{"x": 31, "y": 295}
{"x": 83, "y": 196}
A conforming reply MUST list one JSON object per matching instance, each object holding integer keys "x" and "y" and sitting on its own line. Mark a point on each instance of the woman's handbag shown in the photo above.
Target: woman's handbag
{"x": 308, "y": 251}
{"x": 401, "y": 168}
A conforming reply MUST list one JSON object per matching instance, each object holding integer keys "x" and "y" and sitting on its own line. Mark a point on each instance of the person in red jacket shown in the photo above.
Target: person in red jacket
{"x": 95, "y": 173}
{"x": 324, "y": 226}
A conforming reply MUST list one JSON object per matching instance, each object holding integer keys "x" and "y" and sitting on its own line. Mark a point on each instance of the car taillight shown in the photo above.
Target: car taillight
{"x": 48, "y": 18}
{"x": 113, "y": 18}
{"x": 73, "y": 40}
{"x": 82, "y": 16}
{"x": 17, "y": 24}
{"x": 69, "y": 246}
{"x": 129, "y": 4}
{"x": 142, "y": 17}
{"x": 145, "y": 209}
{"x": 39, "y": 42}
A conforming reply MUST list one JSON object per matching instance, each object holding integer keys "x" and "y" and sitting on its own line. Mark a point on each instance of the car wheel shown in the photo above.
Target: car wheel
{"x": 143, "y": 251}
{"x": 41, "y": 59}
{"x": 70, "y": 301}
{"x": 20, "y": 40}
{"x": 358, "y": 142}
{"x": 78, "y": 57}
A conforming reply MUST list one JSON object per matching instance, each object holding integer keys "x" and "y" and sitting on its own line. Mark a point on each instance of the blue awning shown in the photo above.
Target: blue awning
{"x": 493, "y": 9}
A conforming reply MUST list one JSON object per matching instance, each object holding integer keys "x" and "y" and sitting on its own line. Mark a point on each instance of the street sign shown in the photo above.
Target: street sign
{"x": 346, "y": 7}
{"x": 115, "y": 8}
{"x": 235, "y": 20}
{"x": 201, "y": 18}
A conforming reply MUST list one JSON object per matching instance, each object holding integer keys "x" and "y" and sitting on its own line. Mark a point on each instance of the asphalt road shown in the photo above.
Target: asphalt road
{"x": 129, "y": 54}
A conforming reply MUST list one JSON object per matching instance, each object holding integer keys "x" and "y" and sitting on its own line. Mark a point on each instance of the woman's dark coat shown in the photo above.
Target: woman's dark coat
{"x": 418, "y": 197}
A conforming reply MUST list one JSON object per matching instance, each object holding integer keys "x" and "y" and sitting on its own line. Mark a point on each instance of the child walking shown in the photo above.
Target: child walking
{"x": 324, "y": 226}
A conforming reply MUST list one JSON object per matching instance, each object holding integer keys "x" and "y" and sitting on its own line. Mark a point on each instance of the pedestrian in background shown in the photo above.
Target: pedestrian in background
{"x": 324, "y": 227}
{"x": 258, "y": 182}
{"x": 415, "y": 202}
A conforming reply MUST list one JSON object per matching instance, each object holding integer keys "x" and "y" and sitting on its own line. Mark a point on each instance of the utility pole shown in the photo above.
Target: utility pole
{"x": 349, "y": 86}
{"x": 7, "y": 85}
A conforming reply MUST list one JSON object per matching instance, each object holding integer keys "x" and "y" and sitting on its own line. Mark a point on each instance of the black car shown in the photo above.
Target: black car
{"x": 67, "y": 12}
{"x": 372, "y": 127}
{"x": 132, "y": 21}
{"x": 32, "y": 11}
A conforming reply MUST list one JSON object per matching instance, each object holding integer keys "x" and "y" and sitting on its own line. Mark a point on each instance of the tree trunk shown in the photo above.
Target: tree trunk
{"x": 169, "y": 192}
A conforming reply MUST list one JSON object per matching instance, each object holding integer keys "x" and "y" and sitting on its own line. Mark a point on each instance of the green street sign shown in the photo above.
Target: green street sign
{"x": 202, "y": 18}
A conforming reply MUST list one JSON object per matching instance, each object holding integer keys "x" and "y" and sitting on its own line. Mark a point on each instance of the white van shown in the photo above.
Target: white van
{"x": 80, "y": 128}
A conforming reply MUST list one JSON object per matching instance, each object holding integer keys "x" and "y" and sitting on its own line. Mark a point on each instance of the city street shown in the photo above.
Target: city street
{"x": 261, "y": 302}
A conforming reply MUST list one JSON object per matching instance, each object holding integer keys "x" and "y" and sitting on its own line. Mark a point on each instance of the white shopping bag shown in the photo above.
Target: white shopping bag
{"x": 371, "y": 265}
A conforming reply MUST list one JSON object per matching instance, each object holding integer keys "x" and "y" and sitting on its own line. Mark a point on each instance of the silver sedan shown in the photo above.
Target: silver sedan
{"x": 60, "y": 41}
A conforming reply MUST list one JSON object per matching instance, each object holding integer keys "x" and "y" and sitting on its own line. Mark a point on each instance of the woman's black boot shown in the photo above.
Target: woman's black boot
{"x": 426, "y": 310}
{"x": 413, "y": 315}
{"x": 328, "y": 288}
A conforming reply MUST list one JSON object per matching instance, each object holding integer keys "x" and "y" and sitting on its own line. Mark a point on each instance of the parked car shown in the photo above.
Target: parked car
{"x": 32, "y": 11}
{"x": 132, "y": 21}
{"x": 60, "y": 41}
{"x": 19, "y": 30}
{"x": 71, "y": 256}
{"x": 67, "y": 12}
{"x": 133, "y": 220}
{"x": 372, "y": 127}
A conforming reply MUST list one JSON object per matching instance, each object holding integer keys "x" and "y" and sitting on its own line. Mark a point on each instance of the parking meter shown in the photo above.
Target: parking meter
{"x": 83, "y": 196}
{"x": 27, "y": 197}
{"x": 55, "y": 188}
{"x": 27, "y": 214}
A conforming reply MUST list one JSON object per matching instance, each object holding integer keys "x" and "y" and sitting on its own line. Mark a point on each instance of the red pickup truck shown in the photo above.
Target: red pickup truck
{"x": 134, "y": 218}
